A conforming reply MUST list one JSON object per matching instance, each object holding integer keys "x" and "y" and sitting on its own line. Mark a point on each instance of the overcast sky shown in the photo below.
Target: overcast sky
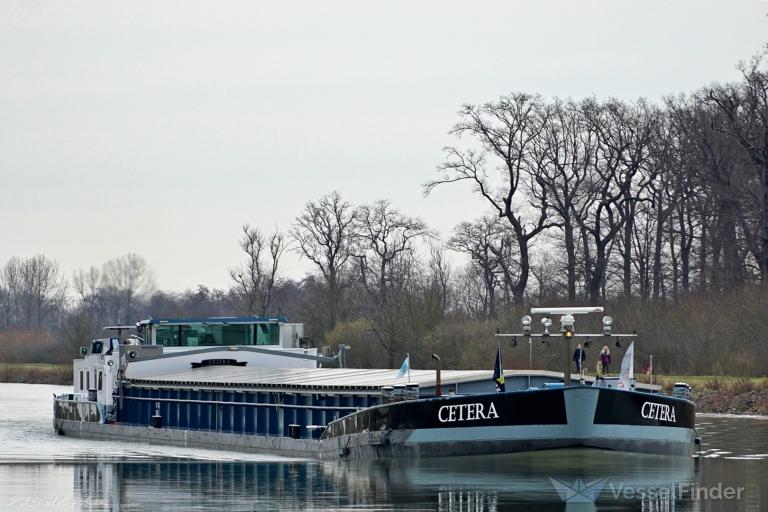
{"x": 161, "y": 127}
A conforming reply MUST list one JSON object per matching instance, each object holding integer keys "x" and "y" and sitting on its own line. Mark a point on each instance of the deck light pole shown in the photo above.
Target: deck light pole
{"x": 438, "y": 388}
{"x": 526, "y": 321}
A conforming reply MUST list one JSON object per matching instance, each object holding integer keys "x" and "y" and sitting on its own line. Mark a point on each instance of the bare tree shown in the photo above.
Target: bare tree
{"x": 255, "y": 280}
{"x": 124, "y": 280}
{"x": 439, "y": 279}
{"x": 87, "y": 284}
{"x": 633, "y": 130}
{"x": 612, "y": 185}
{"x": 506, "y": 131}
{"x": 472, "y": 292}
{"x": 383, "y": 235}
{"x": 11, "y": 291}
{"x": 324, "y": 232}
{"x": 717, "y": 167}
{"x": 488, "y": 244}
{"x": 45, "y": 288}
{"x": 566, "y": 149}
{"x": 745, "y": 109}
{"x": 385, "y": 264}
{"x": 666, "y": 190}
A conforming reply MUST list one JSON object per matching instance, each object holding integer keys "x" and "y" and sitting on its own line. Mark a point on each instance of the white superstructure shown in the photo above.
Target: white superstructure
{"x": 167, "y": 346}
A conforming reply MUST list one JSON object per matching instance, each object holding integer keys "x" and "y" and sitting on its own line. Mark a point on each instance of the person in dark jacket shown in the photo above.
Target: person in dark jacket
{"x": 579, "y": 355}
{"x": 605, "y": 359}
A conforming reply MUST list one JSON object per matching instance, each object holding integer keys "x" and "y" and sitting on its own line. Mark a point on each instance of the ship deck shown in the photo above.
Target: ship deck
{"x": 349, "y": 380}
{"x": 306, "y": 379}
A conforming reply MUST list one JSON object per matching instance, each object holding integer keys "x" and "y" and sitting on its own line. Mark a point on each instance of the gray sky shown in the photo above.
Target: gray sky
{"x": 161, "y": 127}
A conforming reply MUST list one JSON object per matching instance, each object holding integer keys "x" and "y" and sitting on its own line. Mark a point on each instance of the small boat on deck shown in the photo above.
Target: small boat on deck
{"x": 256, "y": 384}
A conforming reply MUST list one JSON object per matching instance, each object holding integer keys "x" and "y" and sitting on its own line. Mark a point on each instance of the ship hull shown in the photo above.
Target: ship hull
{"x": 573, "y": 417}
{"x": 531, "y": 420}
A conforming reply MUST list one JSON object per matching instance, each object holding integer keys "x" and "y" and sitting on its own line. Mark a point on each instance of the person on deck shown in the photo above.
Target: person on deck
{"x": 579, "y": 355}
{"x": 605, "y": 359}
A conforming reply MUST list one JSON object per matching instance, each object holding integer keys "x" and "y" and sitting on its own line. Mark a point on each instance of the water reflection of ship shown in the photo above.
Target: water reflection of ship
{"x": 522, "y": 481}
{"x": 525, "y": 481}
{"x": 185, "y": 485}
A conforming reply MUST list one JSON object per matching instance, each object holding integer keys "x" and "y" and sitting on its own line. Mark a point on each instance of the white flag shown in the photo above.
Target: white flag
{"x": 405, "y": 368}
{"x": 627, "y": 367}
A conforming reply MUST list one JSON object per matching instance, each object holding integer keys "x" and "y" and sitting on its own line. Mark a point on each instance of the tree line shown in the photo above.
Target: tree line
{"x": 614, "y": 198}
{"x": 659, "y": 211}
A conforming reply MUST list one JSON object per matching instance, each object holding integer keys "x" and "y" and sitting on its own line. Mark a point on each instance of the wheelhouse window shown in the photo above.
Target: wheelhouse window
{"x": 267, "y": 334}
{"x": 211, "y": 335}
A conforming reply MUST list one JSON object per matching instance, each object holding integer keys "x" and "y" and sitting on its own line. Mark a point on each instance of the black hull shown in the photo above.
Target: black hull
{"x": 520, "y": 421}
{"x": 537, "y": 407}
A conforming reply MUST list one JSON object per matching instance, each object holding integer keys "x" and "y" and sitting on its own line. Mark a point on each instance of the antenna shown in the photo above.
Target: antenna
{"x": 567, "y": 310}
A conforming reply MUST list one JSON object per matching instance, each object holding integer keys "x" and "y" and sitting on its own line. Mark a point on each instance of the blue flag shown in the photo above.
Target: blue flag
{"x": 498, "y": 373}
{"x": 405, "y": 368}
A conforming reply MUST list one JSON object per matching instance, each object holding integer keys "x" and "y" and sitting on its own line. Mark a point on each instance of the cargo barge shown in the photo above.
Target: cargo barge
{"x": 255, "y": 385}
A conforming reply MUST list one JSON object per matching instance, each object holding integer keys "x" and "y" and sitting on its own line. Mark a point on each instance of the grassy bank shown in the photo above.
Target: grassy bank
{"x": 36, "y": 373}
{"x": 710, "y": 381}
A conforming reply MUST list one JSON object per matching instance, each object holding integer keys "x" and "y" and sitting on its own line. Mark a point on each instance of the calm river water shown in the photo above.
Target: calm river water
{"x": 40, "y": 471}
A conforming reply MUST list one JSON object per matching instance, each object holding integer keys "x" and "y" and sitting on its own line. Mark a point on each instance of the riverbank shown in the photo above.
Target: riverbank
{"x": 36, "y": 373}
{"x": 729, "y": 402}
{"x": 724, "y": 394}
